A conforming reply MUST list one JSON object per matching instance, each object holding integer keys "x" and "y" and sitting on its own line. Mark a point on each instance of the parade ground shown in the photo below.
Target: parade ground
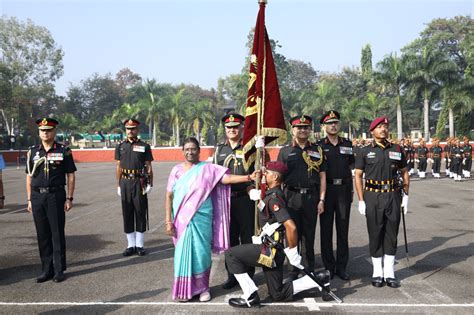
{"x": 437, "y": 277}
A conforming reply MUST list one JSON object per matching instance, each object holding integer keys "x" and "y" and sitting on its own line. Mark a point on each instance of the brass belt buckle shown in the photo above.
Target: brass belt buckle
{"x": 303, "y": 190}
{"x": 44, "y": 190}
{"x": 337, "y": 181}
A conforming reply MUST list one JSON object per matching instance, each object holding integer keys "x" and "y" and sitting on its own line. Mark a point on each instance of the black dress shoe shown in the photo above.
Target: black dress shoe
{"x": 44, "y": 277}
{"x": 252, "y": 301}
{"x": 59, "y": 277}
{"x": 129, "y": 251}
{"x": 324, "y": 278}
{"x": 230, "y": 283}
{"x": 378, "y": 282}
{"x": 141, "y": 251}
{"x": 343, "y": 275}
{"x": 393, "y": 282}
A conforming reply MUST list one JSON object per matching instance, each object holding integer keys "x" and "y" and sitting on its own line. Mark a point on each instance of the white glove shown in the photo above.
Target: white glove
{"x": 269, "y": 229}
{"x": 260, "y": 142}
{"x": 362, "y": 207}
{"x": 417, "y": 160}
{"x": 256, "y": 240}
{"x": 293, "y": 257}
{"x": 119, "y": 193}
{"x": 147, "y": 189}
{"x": 430, "y": 161}
{"x": 464, "y": 162}
{"x": 449, "y": 160}
{"x": 405, "y": 204}
{"x": 255, "y": 194}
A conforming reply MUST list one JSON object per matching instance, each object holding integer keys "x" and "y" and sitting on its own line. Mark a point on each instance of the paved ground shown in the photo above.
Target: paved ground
{"x": 438, "y": 280}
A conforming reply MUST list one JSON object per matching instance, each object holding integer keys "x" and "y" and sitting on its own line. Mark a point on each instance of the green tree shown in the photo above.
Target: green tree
{"x": 426, "y": 70}
{"x": 391, "y": 73}
{"x": 366, "y": 62}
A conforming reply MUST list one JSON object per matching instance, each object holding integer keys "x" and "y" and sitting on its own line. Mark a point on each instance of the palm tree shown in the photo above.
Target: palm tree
{"x": 179, "y": 101}
{"x": 352, "y": 115}
{"x": 456, "y": 97}
{"x": 372, "y": 106}
{"x": 392, "y": 74}
{"x": 153, "y": 102}
{"x": 198, "y": 115}
{"x": 426, "y": 69}
{"x": 326, "y": 97}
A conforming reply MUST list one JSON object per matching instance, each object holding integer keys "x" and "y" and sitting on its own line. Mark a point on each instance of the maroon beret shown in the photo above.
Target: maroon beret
{"x": 377, "y": 121}
{"x": 277, "y": 166}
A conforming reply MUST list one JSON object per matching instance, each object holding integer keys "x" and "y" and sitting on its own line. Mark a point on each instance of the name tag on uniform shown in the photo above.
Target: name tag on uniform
{"x": 55, "y": 156}
{"x": 345, "y": 150}
{"x": 239, "y": 154}
{"x": 395, "y": 155}
{"x": 371, "y": 155}
{"x": 314, "y": 154}
{"x": 138, "y": 148}
{"x": 261, "y": 205}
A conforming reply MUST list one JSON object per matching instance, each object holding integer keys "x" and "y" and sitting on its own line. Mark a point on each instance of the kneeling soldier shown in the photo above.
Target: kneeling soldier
{"x": 276, "y": 220}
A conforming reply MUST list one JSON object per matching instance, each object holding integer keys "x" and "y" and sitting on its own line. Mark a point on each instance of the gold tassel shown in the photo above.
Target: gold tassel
{"x": 265, "y": 260}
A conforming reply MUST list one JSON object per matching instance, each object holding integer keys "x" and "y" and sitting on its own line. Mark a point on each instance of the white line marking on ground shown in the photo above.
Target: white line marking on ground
{"x": 297, "y": 304}
{"x": 311, "y": 304}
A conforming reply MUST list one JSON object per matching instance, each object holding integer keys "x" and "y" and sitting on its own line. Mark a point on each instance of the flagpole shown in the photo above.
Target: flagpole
{"x": 258, "y": 164}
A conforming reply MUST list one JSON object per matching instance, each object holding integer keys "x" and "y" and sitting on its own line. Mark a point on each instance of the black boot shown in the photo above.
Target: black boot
{"x": 252, "y": 301}
{"x": 324, "y": 278}
{"x": 45, "y": 276}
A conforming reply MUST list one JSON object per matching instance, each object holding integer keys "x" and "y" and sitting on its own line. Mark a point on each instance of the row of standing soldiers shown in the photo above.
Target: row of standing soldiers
{"x": 457, "y": 156}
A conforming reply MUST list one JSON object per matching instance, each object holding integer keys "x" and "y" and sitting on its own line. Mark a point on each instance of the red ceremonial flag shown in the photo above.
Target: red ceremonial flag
{"x": 263, "y": 112}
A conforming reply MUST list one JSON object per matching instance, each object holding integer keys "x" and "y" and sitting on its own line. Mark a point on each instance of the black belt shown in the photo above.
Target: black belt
{"x": 339, "y": 181}
{"x": 131, "y": 176}
{"x": 380, "y": 187}
{"x": 301, "y": 190}
{"x": 238, "y": 193}
{"x": 47, "y": 190}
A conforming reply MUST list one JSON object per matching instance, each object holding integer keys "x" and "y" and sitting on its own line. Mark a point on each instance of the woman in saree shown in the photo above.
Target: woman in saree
{"x": 197, "y": 207}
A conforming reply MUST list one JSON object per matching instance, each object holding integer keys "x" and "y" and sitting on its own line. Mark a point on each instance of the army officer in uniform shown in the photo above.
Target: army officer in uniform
{"x": 50, "y": 167}
{"x": 134, "y": 181}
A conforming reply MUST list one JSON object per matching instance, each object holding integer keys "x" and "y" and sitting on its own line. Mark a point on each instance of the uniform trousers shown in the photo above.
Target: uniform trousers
{"x": 383, "y": 221}
{"x": 337, "y": 206}
{"x": 422, "y": 165}
{"x": 240, "y": 258}
{"x": 436, "y": 165}
{"x": 468, "y": 164}
{"x": 50, "y": 219}
{"x": 242, "y": 221}
{"x": 134, "y": 205}
{"x": 457, "y": 166}
{"x": 242, "y": 218}
{"x": 303, "y": 210}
